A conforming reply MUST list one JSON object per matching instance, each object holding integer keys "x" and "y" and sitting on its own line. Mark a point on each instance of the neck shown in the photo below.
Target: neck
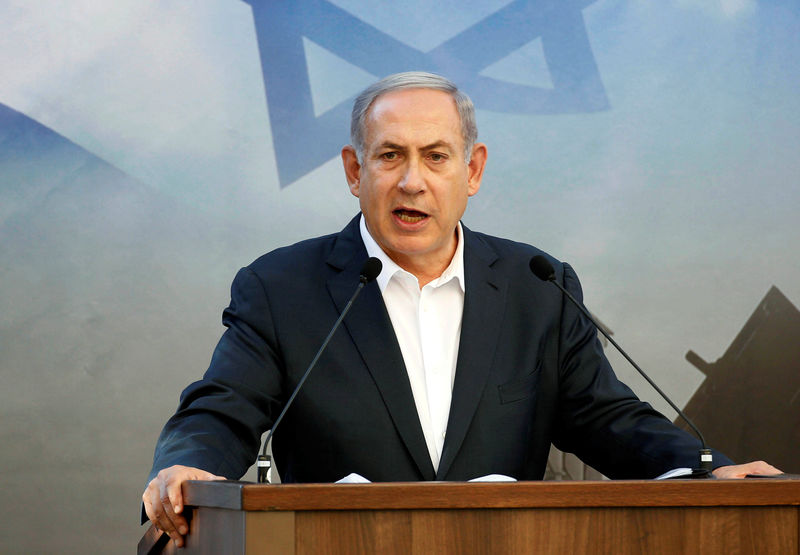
{"x": 427, "y": 267}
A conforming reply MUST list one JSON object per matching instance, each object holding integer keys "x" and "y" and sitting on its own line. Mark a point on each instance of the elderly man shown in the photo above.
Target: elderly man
{"x": 456, "y": 363}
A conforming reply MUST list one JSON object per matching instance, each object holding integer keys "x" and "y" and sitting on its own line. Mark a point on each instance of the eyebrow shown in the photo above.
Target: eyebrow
{"x": 432, "y": 146}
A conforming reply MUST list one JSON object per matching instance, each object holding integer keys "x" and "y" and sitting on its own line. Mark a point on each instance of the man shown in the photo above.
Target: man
{"x": 455, "y": 364}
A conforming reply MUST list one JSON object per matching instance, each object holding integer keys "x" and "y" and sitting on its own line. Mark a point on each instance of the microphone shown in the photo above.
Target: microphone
{"x": 542, "y": 269}
{"x": 369, "y": 271}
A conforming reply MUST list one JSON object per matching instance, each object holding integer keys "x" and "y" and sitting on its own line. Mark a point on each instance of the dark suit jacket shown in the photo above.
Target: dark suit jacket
{"x": 530, "y": 372}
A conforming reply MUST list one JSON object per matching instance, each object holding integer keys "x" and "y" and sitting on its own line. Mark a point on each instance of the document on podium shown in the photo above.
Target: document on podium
{"x": 354, "y": 478}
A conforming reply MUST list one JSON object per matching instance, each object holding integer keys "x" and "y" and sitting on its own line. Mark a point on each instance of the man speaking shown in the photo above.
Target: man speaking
{"x": 456, "y": 362}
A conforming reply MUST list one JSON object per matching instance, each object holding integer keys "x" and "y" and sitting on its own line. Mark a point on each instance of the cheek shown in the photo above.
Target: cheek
{"x": 367, "y": 197}
{"x": 378, "y": 192}
{"x": 372, "y": 203}
{"x": 456, "y": 199}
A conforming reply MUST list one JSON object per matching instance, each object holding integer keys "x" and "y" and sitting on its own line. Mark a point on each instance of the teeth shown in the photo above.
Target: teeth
{"x": 406, "y": 217}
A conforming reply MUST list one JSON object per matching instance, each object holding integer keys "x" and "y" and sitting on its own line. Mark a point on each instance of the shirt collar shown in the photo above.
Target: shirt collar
{"x": 454, "y": 270}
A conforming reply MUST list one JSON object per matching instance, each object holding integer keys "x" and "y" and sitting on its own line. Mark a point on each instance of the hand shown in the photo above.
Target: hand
{"x": 163, "y": 499}
{"x": 742, "y": 470}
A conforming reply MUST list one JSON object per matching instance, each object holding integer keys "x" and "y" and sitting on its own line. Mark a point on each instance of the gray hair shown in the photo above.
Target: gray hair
{"x": 412, "y": 80}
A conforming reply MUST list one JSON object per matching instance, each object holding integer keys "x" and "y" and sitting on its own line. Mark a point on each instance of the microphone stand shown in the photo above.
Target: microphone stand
{"x": 544, "y": 271}
{"x": 370, "y": 270}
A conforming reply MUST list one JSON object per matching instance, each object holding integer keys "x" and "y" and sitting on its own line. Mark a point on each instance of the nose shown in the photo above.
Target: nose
{"x": 413, "y": 179}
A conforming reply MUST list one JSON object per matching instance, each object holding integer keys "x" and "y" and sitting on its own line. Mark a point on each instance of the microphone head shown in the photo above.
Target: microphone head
{"x": 542, "y": 268}
{"x": 370, "y": 270}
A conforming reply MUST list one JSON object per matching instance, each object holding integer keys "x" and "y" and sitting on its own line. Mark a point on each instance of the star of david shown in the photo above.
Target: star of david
{"x": 304, "y": 141}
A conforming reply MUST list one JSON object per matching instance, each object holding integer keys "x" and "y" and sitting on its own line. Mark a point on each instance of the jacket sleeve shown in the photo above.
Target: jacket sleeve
{"x": 220, "y": 419}
{"x": 600, "y": 419}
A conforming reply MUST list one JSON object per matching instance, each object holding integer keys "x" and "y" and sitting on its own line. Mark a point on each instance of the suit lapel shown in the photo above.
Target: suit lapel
{"x": 480, "y": 327}
{"x": 371, "y": 330}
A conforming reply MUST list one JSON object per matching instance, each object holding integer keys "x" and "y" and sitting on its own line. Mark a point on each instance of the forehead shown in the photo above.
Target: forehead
{"x": 414, "y": 113}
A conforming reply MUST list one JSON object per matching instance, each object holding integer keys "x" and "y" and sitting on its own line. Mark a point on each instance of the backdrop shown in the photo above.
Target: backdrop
{"x": 150, "y": 149}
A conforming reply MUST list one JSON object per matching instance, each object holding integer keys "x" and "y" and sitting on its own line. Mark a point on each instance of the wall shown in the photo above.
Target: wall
{"x": 150, "y": 149}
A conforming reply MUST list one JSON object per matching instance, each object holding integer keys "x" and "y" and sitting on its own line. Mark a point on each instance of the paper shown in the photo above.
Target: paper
{"x": 353, "y": 478}
{"x": 675, "y": 472}
{"x": 494, "y": 478}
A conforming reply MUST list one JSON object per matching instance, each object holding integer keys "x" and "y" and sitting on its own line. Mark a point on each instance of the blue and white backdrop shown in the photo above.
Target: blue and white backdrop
{"x": 148, "y": 149}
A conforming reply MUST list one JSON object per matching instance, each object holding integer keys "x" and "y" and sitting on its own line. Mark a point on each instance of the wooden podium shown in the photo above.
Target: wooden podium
{"x": 676, "y": 516}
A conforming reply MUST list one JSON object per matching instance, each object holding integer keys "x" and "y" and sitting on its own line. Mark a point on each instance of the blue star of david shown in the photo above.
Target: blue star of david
{"x": 303, "y": 141}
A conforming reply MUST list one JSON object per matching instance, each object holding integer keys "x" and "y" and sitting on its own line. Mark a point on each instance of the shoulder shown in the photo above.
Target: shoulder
{"x": 296, "y": 259}
{"x": 506, "y": 254}
{"x": 311, "y": 258}
{"x": 502, "y": 246}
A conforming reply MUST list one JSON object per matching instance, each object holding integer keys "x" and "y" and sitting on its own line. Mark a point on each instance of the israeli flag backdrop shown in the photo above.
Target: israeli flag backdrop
{"x": 148, "y": 149}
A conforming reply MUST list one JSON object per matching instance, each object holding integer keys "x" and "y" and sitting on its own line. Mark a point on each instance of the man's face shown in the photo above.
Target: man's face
{"x": 414, "y": 182}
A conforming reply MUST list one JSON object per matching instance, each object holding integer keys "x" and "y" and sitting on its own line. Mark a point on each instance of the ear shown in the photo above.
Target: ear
{"x": 352, "y": 169}
{"x": 475, "y": 168}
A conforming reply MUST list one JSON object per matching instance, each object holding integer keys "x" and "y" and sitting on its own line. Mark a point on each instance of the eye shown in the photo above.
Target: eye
{"x": 437, "y": 157}
{"x": 389, "y": 155}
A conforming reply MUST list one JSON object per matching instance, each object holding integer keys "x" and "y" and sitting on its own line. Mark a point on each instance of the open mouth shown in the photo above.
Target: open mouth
{"x": 410, "y": 216}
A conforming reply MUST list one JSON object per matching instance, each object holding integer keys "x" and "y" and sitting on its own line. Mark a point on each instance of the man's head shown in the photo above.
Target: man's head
{"x": 416, "y": 168}
{"x": 412, "y": 80}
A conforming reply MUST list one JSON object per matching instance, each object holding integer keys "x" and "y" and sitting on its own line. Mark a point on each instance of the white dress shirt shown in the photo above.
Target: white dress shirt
{"x": 427, "y": 323}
